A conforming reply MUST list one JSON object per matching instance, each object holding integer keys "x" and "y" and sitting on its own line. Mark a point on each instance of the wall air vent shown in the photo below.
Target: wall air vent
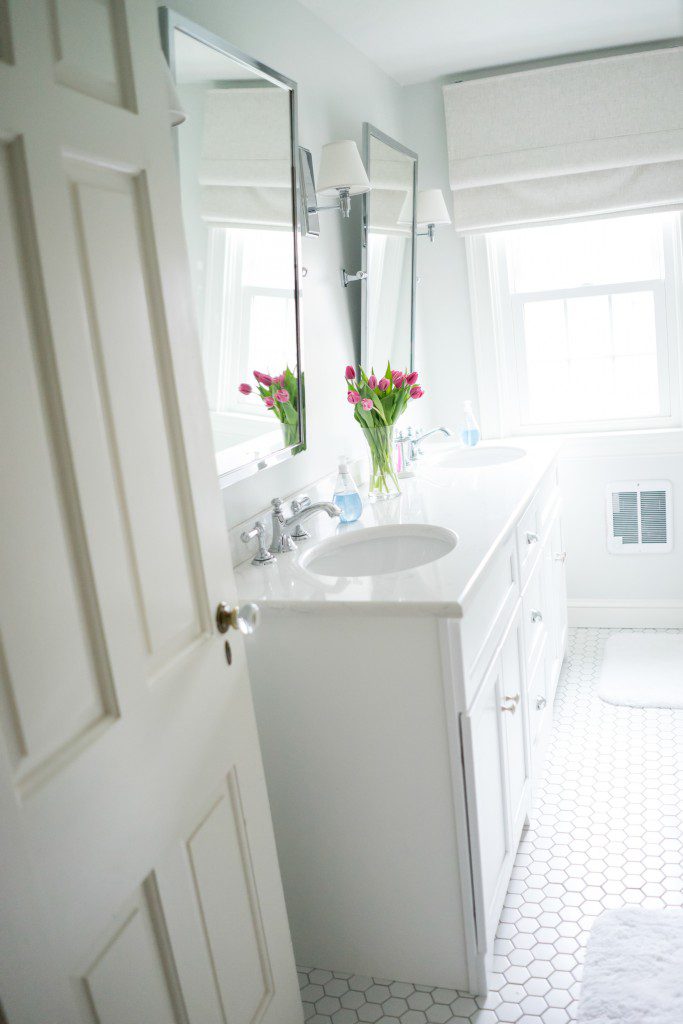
{"x": 639, "y": 519}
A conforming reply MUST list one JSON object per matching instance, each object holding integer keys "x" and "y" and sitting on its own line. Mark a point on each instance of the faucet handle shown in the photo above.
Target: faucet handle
{"x": 298, "y": 504}
{"x": 303, "y": 501}
{"x": 277, "y": 505}
{"x": 258, "y": 531}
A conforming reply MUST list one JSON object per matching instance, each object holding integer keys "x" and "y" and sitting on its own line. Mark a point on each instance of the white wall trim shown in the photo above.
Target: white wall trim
{"x": 636, "y": 614}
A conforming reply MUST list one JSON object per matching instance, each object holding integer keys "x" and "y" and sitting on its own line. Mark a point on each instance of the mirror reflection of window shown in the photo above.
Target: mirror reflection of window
{"x": 389, "y": 256}
{"x": 235, "y": 158}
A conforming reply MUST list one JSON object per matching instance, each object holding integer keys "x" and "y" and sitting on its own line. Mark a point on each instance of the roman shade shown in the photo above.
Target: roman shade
{"x": 245, "y": 172}
{"x": 571, "y": 140}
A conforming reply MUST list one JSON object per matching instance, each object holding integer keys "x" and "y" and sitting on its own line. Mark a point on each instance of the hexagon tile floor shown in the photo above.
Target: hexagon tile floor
{"x": 606, "y": 830}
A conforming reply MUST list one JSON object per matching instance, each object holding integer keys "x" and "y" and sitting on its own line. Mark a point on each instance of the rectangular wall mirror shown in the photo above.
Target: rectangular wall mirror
{"x": 238, "y": 164}
{"x": 388, "y": 317}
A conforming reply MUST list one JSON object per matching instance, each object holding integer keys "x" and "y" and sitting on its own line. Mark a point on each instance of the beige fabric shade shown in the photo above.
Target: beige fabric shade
{"x": 245, "y": 171}
{"x": 569, "y": 140}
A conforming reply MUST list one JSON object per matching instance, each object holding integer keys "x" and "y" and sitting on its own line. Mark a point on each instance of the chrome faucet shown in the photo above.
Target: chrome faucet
{"x": 412, "y": 443}
{"x": 282, "y": 540}
{"x": 436, "y": 430}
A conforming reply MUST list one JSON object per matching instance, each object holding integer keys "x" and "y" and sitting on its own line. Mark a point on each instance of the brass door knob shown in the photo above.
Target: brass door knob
{"x": 245, "y": 618}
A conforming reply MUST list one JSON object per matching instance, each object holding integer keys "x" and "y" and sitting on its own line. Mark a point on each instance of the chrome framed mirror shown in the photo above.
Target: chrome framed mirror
{"x": 238, "y": 161}
{"x": 388, "y": 288}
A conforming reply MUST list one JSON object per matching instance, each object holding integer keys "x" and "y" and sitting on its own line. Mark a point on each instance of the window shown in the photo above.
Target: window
{"x": 586, "y": 324}
{"x": 249, "y": 295}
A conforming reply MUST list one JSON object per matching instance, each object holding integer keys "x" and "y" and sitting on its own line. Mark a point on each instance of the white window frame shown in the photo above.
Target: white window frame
{"x": 500, "y": 354}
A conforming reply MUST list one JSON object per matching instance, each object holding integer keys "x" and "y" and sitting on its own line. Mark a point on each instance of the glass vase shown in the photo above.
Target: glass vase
{"x": 383, "y": 479}
{"x": 290, "y": 433}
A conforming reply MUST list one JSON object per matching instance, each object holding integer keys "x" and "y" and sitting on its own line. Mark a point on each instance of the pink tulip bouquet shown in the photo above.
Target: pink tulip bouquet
{"x": 377, "y": 404}
{"x": 281, "y": 395}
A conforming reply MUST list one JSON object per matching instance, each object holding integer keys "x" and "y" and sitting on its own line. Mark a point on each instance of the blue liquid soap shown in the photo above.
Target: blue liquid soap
{"x": 470, "y": 437}
{"x": 346, "y": 495}
{"x": 351, "y": 506}
{"x": 470, "y": 433}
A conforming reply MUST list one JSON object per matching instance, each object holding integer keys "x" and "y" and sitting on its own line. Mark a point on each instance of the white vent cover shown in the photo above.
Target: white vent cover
{"x": 639, "y": 520}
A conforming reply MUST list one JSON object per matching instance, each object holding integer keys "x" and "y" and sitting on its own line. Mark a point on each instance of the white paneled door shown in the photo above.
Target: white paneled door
{"x": 139, "y": 877}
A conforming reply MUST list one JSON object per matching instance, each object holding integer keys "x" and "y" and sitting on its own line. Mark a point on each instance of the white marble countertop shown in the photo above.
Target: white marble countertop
{"x": 480, "y": 505}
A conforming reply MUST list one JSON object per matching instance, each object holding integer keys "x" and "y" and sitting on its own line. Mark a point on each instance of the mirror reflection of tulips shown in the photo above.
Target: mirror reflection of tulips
{"x": 377, "y": 404}
{"x": 280, "y": 394}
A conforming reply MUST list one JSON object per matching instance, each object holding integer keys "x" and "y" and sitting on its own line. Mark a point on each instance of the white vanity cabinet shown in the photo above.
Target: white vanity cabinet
{"x": 400, "y": 745}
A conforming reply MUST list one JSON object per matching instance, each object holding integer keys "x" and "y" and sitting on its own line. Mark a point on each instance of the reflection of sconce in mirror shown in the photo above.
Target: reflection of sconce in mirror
{"x": 341, "y": 175}
{"x": 176, "y": 111}
{"x": 431, "y": 210}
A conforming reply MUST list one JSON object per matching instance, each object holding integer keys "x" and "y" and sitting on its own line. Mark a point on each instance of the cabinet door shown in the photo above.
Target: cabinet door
{"x": 559, "y": 556}
{"x": 515, "y": 724}
{"x": 554, "y": 578}
{"x": 487, "y": 802}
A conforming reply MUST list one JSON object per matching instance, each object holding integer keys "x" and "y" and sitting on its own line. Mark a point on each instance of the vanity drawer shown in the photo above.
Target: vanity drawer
{"x": 534, "y": 615}
{"x": 528, "y": 540}
{"x": 488, "y": 612}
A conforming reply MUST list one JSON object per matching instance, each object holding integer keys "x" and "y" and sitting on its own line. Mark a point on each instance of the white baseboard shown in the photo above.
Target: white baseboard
{"x": 606, "y": 612}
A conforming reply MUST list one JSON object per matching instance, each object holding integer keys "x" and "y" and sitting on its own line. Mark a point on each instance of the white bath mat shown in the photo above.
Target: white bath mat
{"x": 634, "y": 968}
{"x": 643, "y": 670}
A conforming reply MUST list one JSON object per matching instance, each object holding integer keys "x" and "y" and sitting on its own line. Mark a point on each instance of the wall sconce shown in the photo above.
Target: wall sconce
{"x": 431, "y": 210}
{"x": 341, "y": 174}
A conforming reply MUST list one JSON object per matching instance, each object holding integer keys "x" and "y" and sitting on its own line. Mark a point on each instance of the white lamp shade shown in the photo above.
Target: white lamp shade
{"x": 431, "y": 207}
{"x": 341, "y": 167}
{"x": 176, "y": 113}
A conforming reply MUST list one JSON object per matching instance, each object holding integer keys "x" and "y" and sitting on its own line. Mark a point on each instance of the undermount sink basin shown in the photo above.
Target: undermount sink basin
{"x": 473, "y": 458}
{"x": 378, "y": 550}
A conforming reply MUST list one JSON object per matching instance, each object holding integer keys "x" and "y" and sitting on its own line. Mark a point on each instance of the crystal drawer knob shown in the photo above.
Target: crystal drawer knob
{"x": 536, "y": 616}
{"x": 244, "y": 618}
{"x": 532, "y": 538}
{"x": 540, "y": 703}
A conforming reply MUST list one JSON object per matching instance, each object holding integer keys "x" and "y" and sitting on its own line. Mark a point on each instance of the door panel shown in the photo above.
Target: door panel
{"x": 220, "y": 862}
{"x": 140, "y": 880}
{"x": 131, "y": 978}
{"x": 56, "y": 682}
{"x": 90, "y": 49}
{"x": 107, "y": 220}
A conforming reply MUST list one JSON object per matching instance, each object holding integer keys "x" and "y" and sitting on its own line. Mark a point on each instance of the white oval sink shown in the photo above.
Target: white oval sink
{"x": 378, "y": 550}
{"x": 474, "y": 458}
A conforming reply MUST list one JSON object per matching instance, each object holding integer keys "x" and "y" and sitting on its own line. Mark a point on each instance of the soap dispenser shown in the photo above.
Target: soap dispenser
{"x": 470, "y": 432}
{"x": 346, "y": 496}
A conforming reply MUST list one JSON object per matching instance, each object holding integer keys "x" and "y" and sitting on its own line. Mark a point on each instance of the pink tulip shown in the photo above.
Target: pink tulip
{"x": 353, "y": 397}
{"x": 279, "y": 380}
{"x": 282, "y": 395}
{"x": 350, "y": 373}
{"x": 263, "y": 378}
{"x": 268, "y": 402}
{"x": 416, "y": 391}
{"x": 244, "y": 389}
{"x": 367, "y": 404}
{"x": 383, "y": 384}
{"x": 412, "y": 378}
{"x": 397, "y": 378}
{"x": 372, "y": 381}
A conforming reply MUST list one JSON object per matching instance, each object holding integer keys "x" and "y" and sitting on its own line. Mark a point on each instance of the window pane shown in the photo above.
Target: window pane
{"x": 637, "y": 386}
{"x": 588, "y": 326}
{"x": 618, "y": 249}
{"x": 633, "y": 323}
{"x": 549, "y": 392}
{"x": 544, "y": 330}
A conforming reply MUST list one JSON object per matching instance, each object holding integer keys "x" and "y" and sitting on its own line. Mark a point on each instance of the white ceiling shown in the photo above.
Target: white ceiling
{"x": 416, "y": 40}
